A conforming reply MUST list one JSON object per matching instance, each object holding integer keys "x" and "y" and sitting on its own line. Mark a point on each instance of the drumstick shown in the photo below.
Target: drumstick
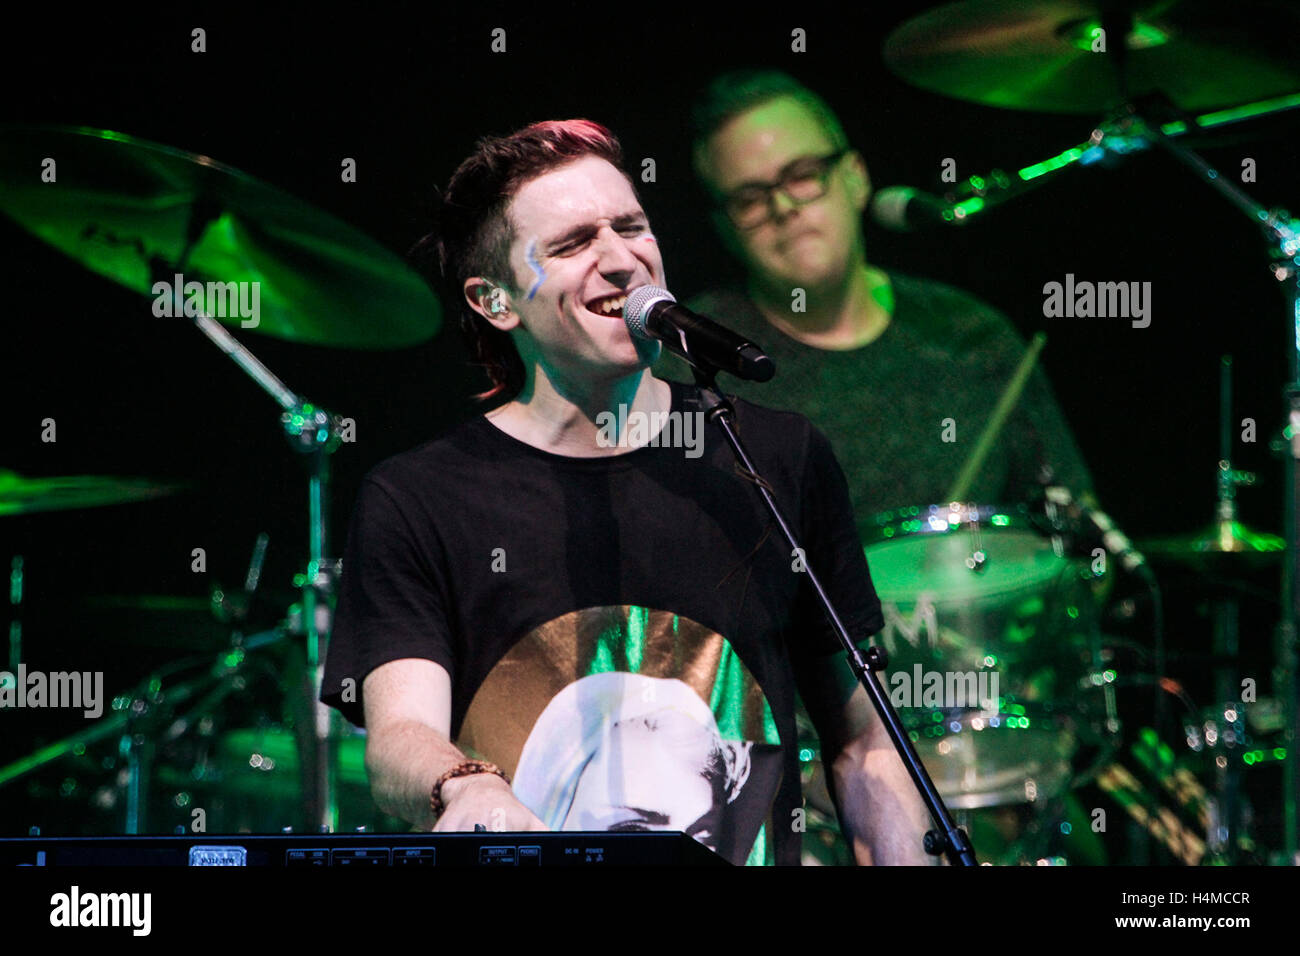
{"x": 1010, "y": 395}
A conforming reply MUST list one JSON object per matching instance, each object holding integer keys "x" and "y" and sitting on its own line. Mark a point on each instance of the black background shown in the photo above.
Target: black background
{"x": 285, "y": 95}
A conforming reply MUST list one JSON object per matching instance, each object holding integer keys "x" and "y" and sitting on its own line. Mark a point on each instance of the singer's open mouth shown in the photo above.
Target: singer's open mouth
{"x": 609, "y": 306}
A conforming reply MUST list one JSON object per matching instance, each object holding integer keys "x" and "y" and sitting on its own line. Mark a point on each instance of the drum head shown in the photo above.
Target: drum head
{"x": 991, "y": 636}
{"x": 935, "y": 549}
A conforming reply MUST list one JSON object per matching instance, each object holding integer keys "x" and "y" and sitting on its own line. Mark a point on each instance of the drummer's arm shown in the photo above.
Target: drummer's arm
{"x": 880, "y": 811}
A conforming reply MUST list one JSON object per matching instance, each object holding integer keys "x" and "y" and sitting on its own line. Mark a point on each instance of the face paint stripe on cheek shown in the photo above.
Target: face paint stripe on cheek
{"x": 530, "y": 256}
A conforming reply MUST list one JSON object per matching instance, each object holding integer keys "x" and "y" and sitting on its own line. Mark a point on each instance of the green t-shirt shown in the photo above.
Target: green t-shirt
{"x": 886, "y": 406}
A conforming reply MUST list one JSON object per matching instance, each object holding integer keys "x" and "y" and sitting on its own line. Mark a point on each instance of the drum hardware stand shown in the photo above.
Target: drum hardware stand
{"x": 1057, "y": 529}
{"x": 314, "y": 433}
{"x": 136, "y": 747}
{"x": 978, "y": 559}
{"x": 139, "y": 747}
{"x": 1283, "y": 236}
{"x": 257, "y": 233}
{"x": 948, "y": 840}
{"x": 1036, "y": 842}
{"x": 16, "y": 619}
{"x": 1226, "y": 809}
{"x": 1129, "y": 130}
{"x": 1102, "y": 659}
{"x": 234, "y": 608}
{"x": 1126, "y": 131}
{"x": 1059, "y": 508}
{"x": 930, "y": 55}
{"x": 141, "y": 724}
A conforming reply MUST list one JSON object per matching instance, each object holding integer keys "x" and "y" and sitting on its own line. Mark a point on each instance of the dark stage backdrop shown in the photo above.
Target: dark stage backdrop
{"x": 286, "y": 95}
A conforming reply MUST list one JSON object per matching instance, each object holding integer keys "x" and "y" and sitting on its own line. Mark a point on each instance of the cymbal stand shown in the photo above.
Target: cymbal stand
{"x": 1282, "y": 234}
{"x": 315, "y": 434}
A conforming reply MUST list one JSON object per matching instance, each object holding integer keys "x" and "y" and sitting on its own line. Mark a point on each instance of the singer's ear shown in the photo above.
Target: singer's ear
{"x": 490, "y": 300}
{"x": 857, "y": 179}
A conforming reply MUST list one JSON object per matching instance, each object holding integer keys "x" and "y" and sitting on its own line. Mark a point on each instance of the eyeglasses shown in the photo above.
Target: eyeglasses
{"x": 803, "y": 181}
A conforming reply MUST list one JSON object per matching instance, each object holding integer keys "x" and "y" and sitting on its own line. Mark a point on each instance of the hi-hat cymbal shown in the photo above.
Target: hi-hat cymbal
{"x": 1038, "y": 54}
{"x": 127, "y": 209}
{"x": 1223, "y": 542}
{"x": 19, "y": 495}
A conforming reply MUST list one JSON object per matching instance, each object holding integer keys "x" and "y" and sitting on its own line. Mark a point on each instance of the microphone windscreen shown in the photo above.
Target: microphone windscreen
{"x": 889, "y": 207}
{"x": 636, "y": 311}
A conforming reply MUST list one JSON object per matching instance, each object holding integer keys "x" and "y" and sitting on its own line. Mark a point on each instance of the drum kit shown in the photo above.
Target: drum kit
{"x": 975, "y": 590}
{"x": 1007, "y": 596}
{"x": 237, "y": 734}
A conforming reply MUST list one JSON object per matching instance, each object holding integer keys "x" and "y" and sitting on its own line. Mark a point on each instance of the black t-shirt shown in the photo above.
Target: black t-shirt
{"x": 624, "y": 634}
{"x": 904, "y": 412}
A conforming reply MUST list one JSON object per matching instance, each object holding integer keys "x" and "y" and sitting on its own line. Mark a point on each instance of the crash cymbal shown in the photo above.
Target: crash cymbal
{"x": 1223, "y": 542}
{"x": 19, "y": 495}
{"x": 127, "y": 209}
{"x": 1038, "y": 54}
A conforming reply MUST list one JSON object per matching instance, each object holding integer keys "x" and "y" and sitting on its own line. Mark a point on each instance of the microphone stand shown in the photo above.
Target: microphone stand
{"x": 948, "y": 838}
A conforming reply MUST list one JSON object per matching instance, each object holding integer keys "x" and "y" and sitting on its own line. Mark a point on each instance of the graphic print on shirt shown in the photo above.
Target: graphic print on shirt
{"x": 626, "y": 718}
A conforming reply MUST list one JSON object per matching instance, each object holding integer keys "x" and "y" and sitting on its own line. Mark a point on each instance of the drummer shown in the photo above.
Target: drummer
{"x": 900, "y": 372}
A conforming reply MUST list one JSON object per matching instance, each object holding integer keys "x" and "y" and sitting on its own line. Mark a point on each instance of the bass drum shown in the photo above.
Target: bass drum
{"x": 995, "y": 664}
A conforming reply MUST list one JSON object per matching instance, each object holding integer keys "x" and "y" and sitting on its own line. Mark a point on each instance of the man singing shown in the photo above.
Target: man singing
{"x": 546, "y": 626}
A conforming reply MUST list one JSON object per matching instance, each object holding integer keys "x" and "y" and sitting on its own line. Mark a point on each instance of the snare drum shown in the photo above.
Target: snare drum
{"x": 993, "y": 646}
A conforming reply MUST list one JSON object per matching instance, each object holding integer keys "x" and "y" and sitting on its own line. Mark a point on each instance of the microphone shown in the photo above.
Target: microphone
{"x": 902, "y": 209}
{"x": 1115, "y": 540}
{"x": 654, "y": 313}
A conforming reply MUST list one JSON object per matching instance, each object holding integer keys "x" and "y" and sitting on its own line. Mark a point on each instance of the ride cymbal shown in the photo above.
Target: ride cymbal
{"x": 1039, "y": 54}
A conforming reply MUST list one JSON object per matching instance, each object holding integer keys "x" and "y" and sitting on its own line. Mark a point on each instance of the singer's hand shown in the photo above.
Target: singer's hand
{"x": 486, "y": 799}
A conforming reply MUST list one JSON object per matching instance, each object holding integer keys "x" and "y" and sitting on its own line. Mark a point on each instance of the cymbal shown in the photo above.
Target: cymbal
{"x": 19, "y": 495}
{"x": 127, "y": 209}
{"x": 1223, "y": 542}
{"x": 1037, "y": 54}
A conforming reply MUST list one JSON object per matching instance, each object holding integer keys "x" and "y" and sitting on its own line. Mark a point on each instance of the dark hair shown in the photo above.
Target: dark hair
{"x": 729, "y": 95}
{"x": 473, "y": 234}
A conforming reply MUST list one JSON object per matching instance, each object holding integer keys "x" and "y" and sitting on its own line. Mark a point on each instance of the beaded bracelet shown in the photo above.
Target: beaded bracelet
{"x": 468, "y": 768}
